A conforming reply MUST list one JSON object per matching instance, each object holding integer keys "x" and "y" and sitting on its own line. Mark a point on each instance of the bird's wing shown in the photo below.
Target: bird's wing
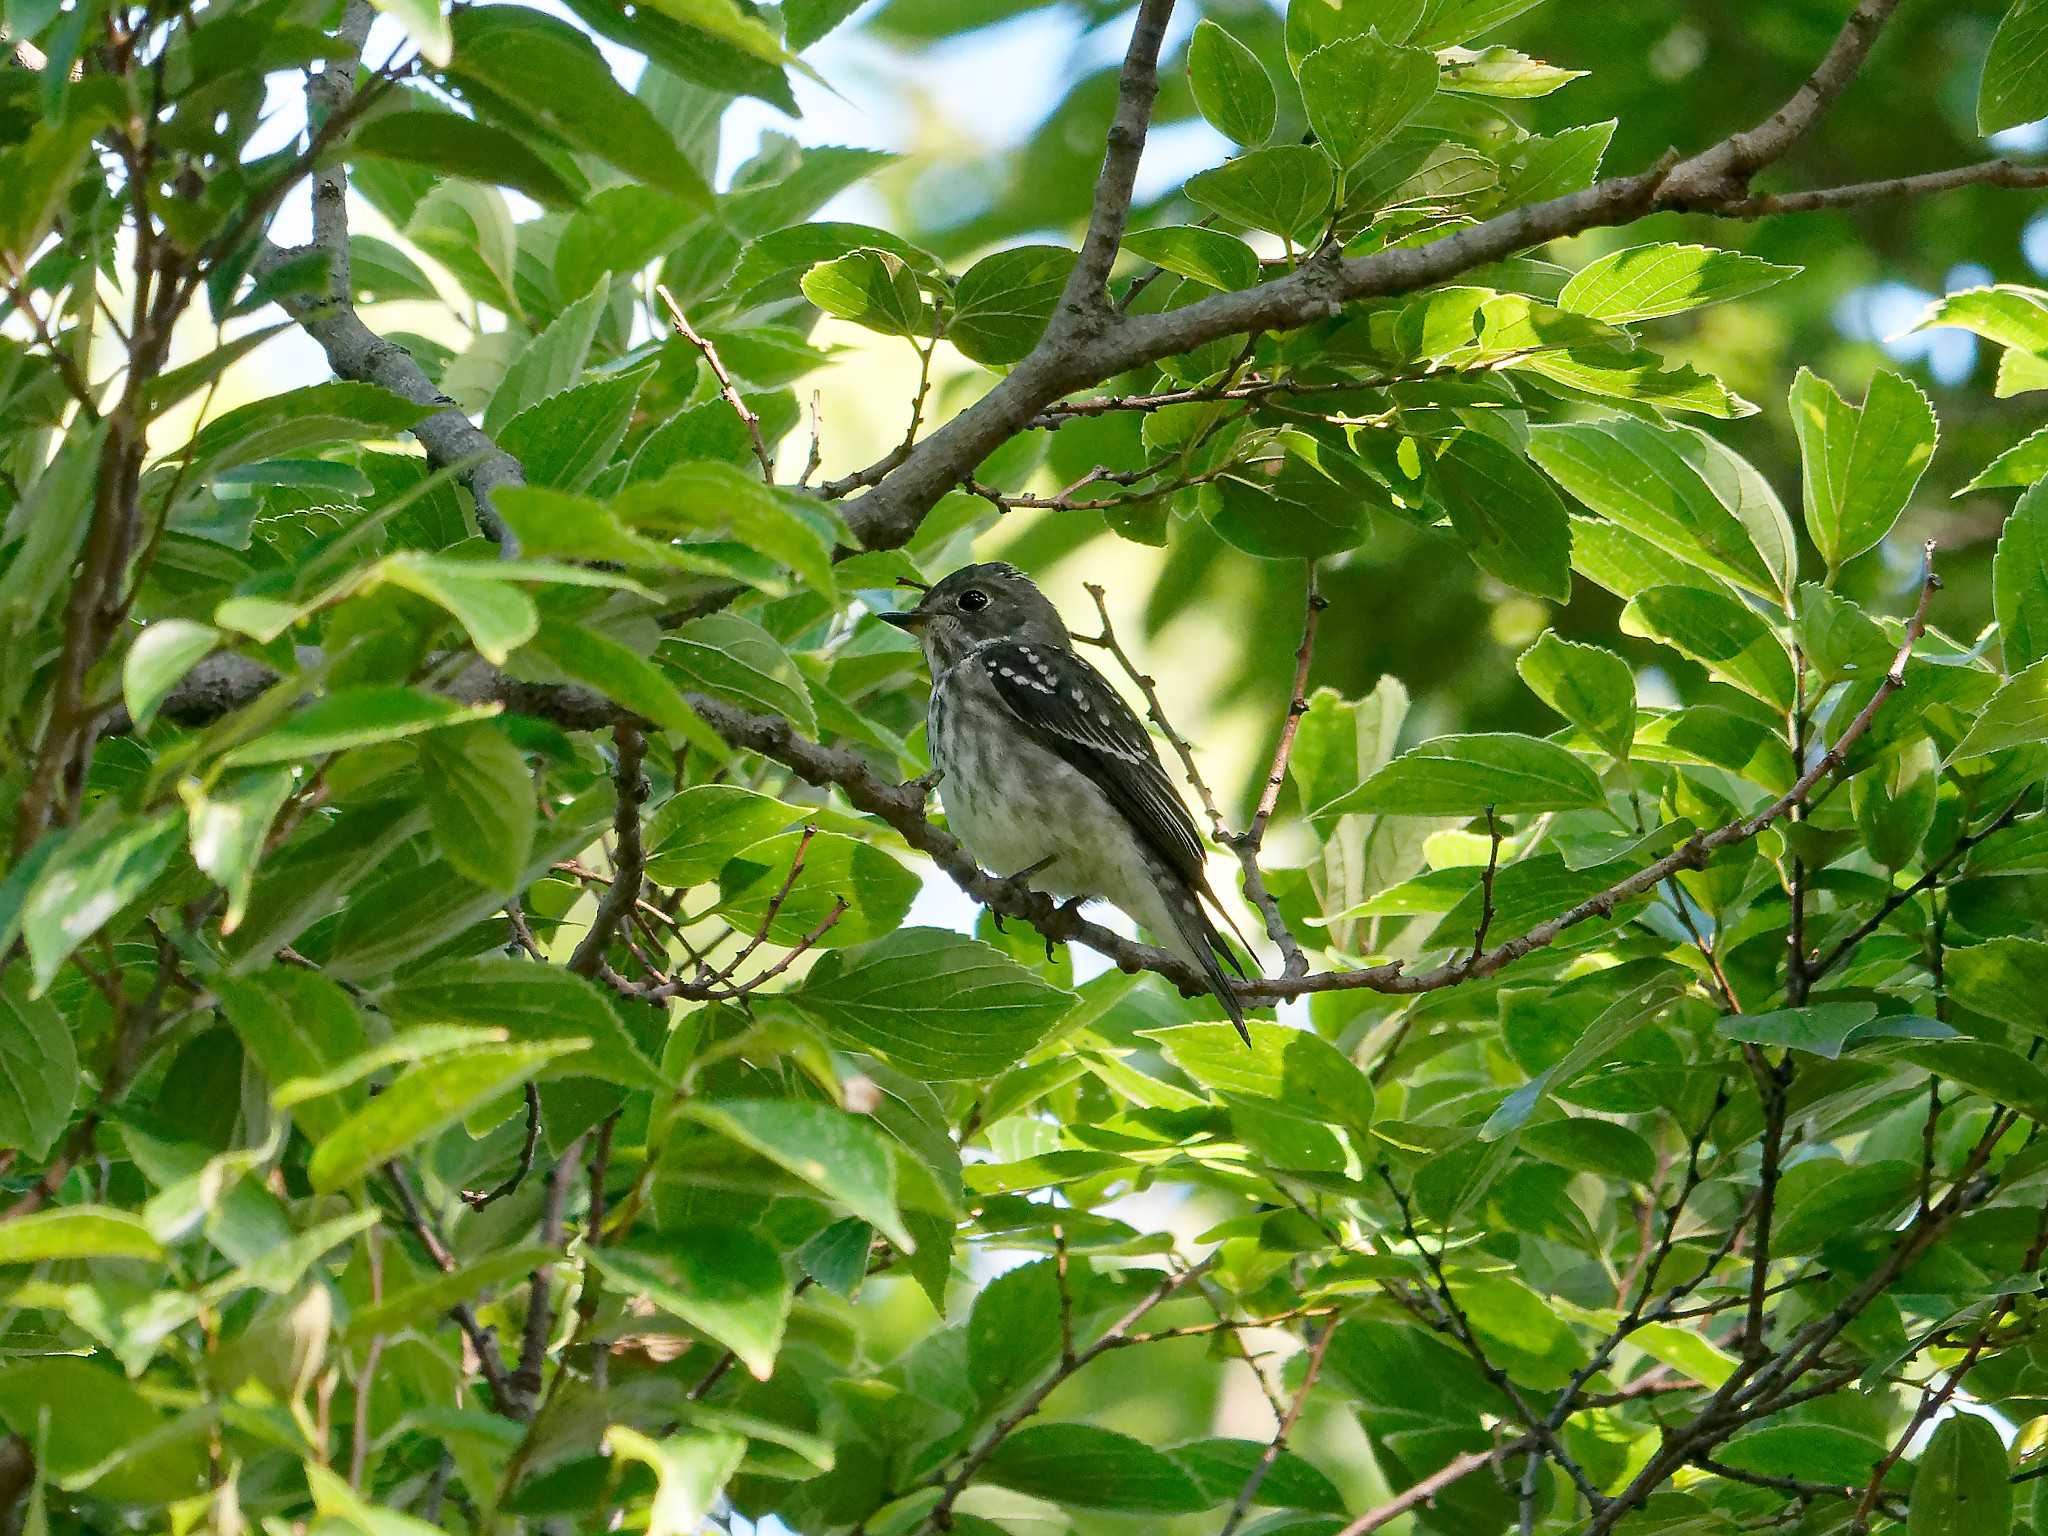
{"x": 1068, "y": 707}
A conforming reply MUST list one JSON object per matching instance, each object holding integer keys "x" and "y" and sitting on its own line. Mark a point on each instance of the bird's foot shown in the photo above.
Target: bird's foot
{"x": 1070, "y": 908}
{"x": 1020, "y": 885}
{"x": 924, "y": 784}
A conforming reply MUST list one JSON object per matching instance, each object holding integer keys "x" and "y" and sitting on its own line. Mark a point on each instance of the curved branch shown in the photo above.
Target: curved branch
{"x": 1724, "y": 171}
{"x": 223, "y": 682}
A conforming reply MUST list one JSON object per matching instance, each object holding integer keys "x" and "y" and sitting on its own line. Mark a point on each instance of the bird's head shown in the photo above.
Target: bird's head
{"x": 974, "y": 605}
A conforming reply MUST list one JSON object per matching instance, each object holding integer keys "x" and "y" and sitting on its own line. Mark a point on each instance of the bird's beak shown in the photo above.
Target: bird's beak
{"x": 912, "y": 619}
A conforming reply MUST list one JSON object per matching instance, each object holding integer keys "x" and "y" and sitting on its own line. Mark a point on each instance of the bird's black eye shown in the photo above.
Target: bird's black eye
{"x": 973, "y": 600}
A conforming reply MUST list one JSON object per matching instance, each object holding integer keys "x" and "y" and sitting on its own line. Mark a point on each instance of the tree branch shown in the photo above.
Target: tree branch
{"x": 1085, "y": 300}
{"x": 1724, "y": 171}
{"x": 628, "y": 858}
{"x": 223, "y": 681}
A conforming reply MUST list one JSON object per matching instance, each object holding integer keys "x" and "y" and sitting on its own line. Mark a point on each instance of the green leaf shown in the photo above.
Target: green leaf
{"x": 1960, "y": 1485}
{"x": 1293, "y": 509}
{"x": 297, "y": 1024}
{"x": 1459, "y": 21}
{"x": 2017, "y": 716}
{"x": 551, "y": 362}
{"x": 52, "y": 520}
{"x": 2006, "y": 314}
{"x": 1609, "y": 373}
{"x": 690, "y": 1469}
{"x": 1593, "y": 688}
{"x": 1361, "y": 90}
{"x": 729, "y": 22}
{"x": 736, "y": 659}
{"x": 423, "y": 1101}
{"x": 844, "y": 1158}
{"x": 551, "y": 523}
{"x": 1206, "y": 255}
{"x": 480, "y": 797}
{"x": 2019, "y": 466}
{"x": 939, "y": 1006}
{"x": 125, "y": 1449}
{"x": 1822, "y": 1198}
{"x": 2001, "y": 1075}
{"x": 1861, "y": 464}
{"x": 104, "y": 863}
{"x": 1823, "y": 1029}
{"x": 1506, "y": 514}
{"x": 158, "y": 661}
{"x": 529, "y": 1002}
{"x": 1678, "y": 491}
{"x": 1464, "y": 775}
{"x": 1819, "y": 1452}
{"x": 2019, "y": 582}
{"x": 468, "y": 229}
{"x": 1292, "y": 1071}
{"x": 1593, "y": 1146}
{"x": 1840, "y": 640}
{"x": 2004, "y": 979}
{"x": 875, "y": 888}
{"x": 724, "y": 500}
{"x": 480, "y": 596}
{"x": 1649, "y": 281}
{"x": 724, "y": 1281}
{"x": 1544, "y": 166}
{"x": 693, "y": 835}
{"x": 449, "y": 144}
{"x": 778, "y": 254}
{"x": 424, "y": 1305}
{"x": 1313, "y": 24}
{"x": 1221, "y": 1467}
{"x": 1288, "y": 190}
{"x": 564, "y": 440}
{"x": 38, "y": 1070}
{"x": 806, "y": 21}
{"x": 405, "y": 1047}
{"x": 355, "y": 717}
{"x": 229, "y": 824}
{"x": 1615, "y": 1023}
{"x": 76, "y": 1232}
{"x": 875, "y": 289}
{"x": 1719, "y": 631}
{"x": 1081, "y": 1464}
{"x": 1502, "y": 72}
{"x": 532, "y": 69}
{"x": 302, "y": 420}
{"x": 1002, "y": 302}
{"x": 621, "y": 675}
{"x": 1230, "y": 85}
{"x": 2014, "y": 91}
{"x": 425, "y": 24}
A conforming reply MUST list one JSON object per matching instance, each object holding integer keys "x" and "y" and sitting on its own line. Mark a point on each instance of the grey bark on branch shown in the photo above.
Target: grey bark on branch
{"x": 223, "y": 682}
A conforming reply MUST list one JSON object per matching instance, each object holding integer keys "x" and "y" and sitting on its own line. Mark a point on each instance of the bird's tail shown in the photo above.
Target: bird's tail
{"x": 1198, "y": 940}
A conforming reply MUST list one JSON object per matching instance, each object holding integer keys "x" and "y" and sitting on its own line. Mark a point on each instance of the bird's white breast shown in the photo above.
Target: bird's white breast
{"x": 1013, "y": 802}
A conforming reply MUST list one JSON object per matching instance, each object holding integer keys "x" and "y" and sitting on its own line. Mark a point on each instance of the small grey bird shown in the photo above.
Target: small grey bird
{"x": 1044, "y": 770}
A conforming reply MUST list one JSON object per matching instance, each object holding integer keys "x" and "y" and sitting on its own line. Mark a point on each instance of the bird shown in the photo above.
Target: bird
{"x": 1044, "y": 771}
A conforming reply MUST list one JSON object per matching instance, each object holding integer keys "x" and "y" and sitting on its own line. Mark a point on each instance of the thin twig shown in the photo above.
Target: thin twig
{"x": 477, "y": 1201}
{"x": 1155, "y": 711}
{"x": 1493, "y": 833}
{"x": 1248, "y": 1494}
{"x": 628, "y": 858}
{"x": 951, "y": 1487}
{"x": 1927, "y": 881}
{"x": 483, "y": 1343}
{"x": 746, "y": 413}
{"x": 1248, "y": 844}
